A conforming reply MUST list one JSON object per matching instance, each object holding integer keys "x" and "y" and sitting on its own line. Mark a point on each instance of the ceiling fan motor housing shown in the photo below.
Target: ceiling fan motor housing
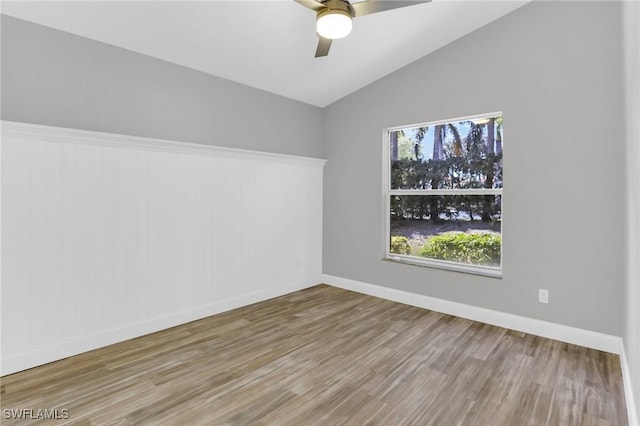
{"x": 337, "y": 6}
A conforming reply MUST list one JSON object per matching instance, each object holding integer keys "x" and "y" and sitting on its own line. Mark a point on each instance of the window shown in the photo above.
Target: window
{"x": 443, "y": 194}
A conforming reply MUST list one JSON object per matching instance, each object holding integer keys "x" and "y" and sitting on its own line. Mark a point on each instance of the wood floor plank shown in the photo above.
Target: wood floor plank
{"x": 327, "y": 356}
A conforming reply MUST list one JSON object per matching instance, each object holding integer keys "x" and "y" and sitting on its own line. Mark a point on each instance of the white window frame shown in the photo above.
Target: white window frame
{"x": 387, "y": 193}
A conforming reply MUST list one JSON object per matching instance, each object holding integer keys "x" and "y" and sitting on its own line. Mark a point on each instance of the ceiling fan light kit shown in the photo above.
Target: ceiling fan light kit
{"x": 333, "y": 24}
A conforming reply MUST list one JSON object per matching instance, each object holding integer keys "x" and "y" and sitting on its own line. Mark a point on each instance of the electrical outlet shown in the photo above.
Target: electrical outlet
{"x": 543, "y": 295}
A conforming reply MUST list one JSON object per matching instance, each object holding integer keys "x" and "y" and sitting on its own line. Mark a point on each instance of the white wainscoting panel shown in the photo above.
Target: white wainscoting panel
{"x": 107, "y": 237}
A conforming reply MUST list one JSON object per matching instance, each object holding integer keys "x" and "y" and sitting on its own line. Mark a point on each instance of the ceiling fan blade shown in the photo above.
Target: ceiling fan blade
{"x": 311, "y": 4}
{"x": 323, "y": 47}
{"x": 375, "y": 6}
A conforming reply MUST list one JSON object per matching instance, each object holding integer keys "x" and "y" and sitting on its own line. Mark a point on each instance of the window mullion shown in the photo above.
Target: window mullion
{"x": 475, "y": 191}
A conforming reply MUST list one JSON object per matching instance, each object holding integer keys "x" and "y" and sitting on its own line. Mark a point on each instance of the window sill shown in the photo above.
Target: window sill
{"x": 485, "y": 271}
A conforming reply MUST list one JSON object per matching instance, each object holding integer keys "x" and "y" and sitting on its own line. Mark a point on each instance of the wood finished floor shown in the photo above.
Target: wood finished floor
{"x": 328, "y": 356}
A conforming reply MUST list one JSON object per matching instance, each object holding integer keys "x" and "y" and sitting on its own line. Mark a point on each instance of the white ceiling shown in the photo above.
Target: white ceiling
{"x": 268, "y": 44}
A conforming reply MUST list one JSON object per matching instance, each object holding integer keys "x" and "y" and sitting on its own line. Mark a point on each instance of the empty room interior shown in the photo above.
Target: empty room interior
{"x": 322, "y": 212}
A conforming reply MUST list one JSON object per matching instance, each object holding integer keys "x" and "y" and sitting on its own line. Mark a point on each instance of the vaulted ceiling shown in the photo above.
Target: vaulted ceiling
{"x": 268, "y": 44}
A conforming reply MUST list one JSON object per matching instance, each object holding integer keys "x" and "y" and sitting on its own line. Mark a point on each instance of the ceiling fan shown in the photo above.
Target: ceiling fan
{"x": 334, "y": 17}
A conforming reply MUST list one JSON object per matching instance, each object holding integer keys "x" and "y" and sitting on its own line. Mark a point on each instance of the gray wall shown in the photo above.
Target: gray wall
{"x": 56, "y": 78}
{"x": 631, "y": 31}
{"x": 554, "y": 69}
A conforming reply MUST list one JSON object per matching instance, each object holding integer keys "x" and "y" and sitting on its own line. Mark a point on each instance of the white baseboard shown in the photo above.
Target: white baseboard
{"x": 632, "y": 413}
{"x": 576, "y": 336}
{"x": 44, "y": 355}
